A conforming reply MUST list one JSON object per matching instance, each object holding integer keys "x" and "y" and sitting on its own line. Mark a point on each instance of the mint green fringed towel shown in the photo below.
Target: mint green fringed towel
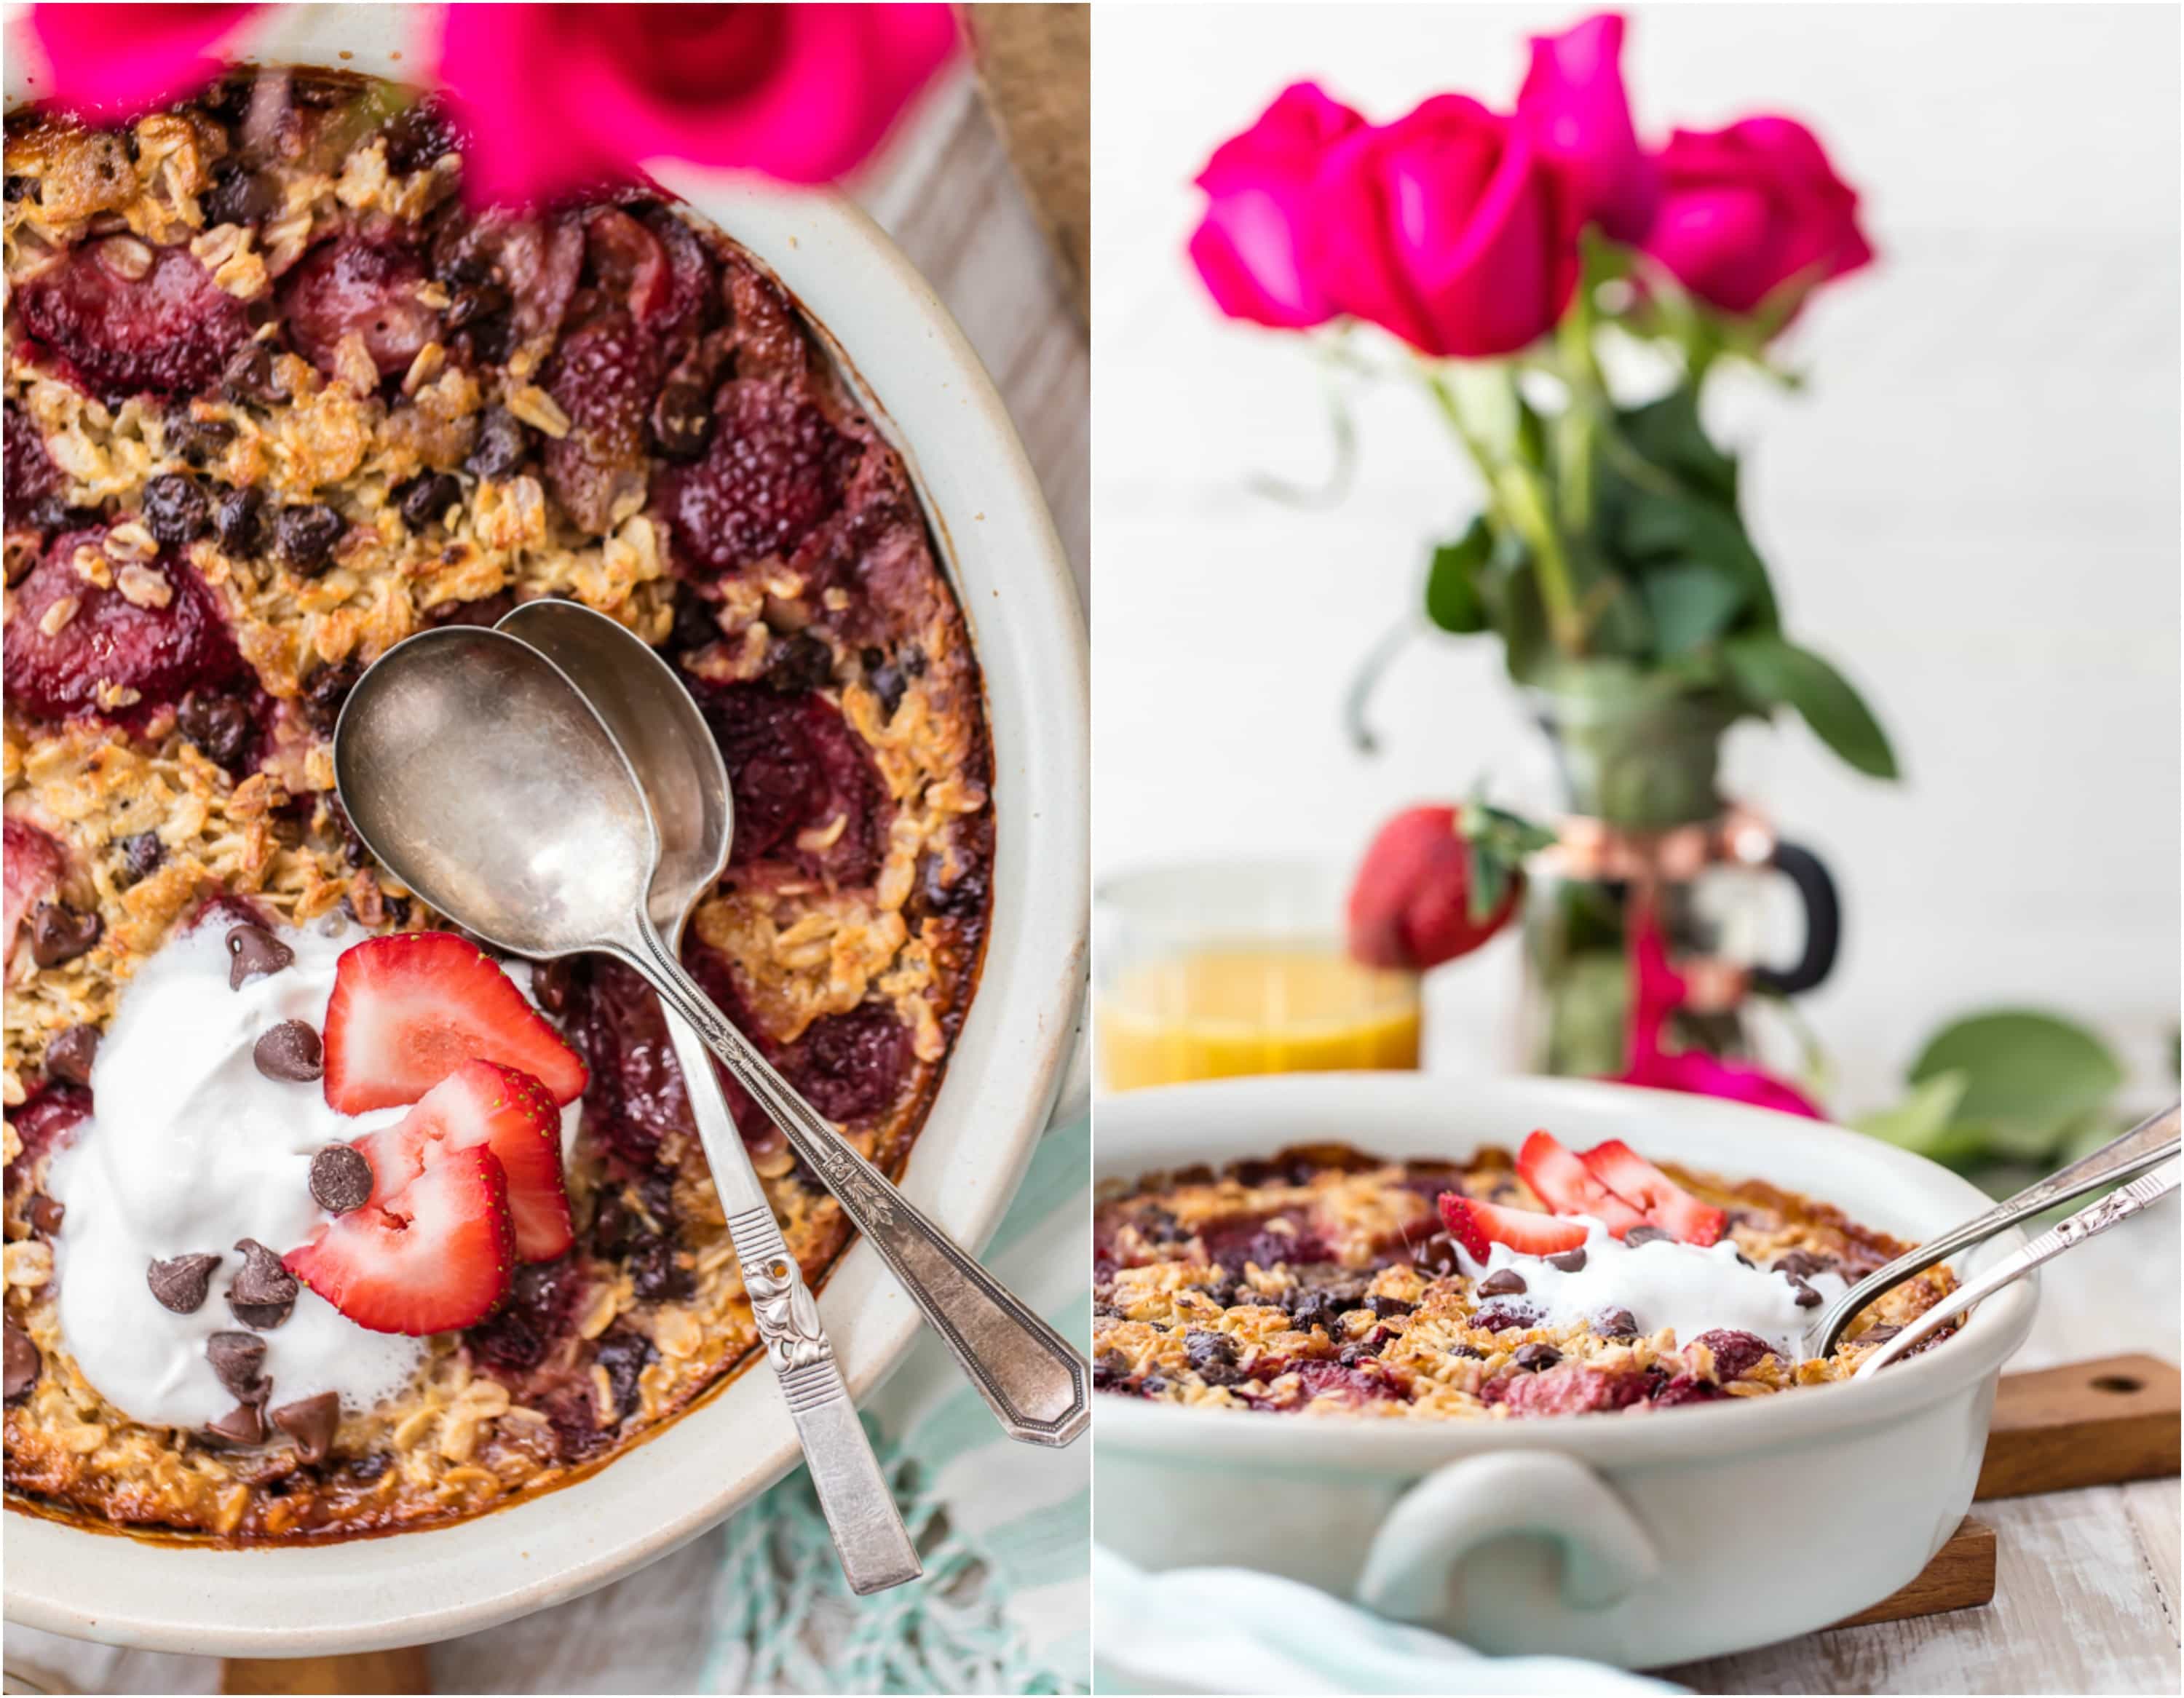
{"x": 1005, "y": 1528}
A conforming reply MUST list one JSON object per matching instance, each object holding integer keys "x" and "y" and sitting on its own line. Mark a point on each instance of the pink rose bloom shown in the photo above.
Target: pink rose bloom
{"x": 1752, "y": 209}
{"x": 561, "y": 97}
{"x": 1447, "y": 227}
{"x": 110, "y": 63}
{"x": 1574, "y": 102}
{"x": 1656, "y": 990}
{"x": 1248, "y": 248}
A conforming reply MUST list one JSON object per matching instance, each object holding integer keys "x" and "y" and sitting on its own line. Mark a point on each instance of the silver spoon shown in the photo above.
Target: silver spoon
{"x": 2118, "y": 1206}
{"x": 679, "y": 766}
{"x": 2147, "y": 1145}
{"x": 473, "y": 767}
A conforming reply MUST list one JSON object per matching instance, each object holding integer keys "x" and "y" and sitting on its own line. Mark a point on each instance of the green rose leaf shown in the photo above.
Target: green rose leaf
{"x": 1668, "y": 432}
{"x": 1452, "y": 597}
{"x": 2031, "y": 1078}
{"x": 1921, "y": 1121}
{"x": 1690, "y": 605}
{"x": 1770, "y": 669}
{"x": 1678, "y": 529}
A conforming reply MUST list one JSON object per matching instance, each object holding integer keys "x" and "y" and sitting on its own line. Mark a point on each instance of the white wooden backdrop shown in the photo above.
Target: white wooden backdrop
{"x": 1974, "y": 506}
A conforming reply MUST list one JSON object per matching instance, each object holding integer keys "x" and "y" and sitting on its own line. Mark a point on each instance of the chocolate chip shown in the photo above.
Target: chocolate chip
{"x": 1504, "y": 1282}
{"x": 656, "y": 1276}
{"x": 249, "y": 376}
{"x": 1617, "y": 1323}
{"x": 1645, "y": 1233}
{"x": 1876, "y": 1335}
{"x": 236, "y": 1359}
{"x": 174, "y": 510}
{"x": 195, "y": 440}
{"x": 45, "y": 1215}
{"x": 1207, "y": 1351}
{"x": 291, "y": 1052}
{"x": 474, "y": 303}
{"x": 341, "y": 1179}
{"x": 1569, "y": 1260}
{"x": 1800, "y": 1264}
{"x": 304, "y": 535}
{"x": 682, "y": 416}
{"x": 1435, "y": 1258}
{"x": 1534, "y": 1357}
{"x": 244, "y": 1424}
{"x": 23, "y": 1363}
{"x": 179, "y": 1283}
{"x": 798, "y": 663}
{"x": 59, "y": 933}
{"x": 502, "y": 444}
{"x": 264, "y": 1291}
{"x": 141, "y": 856}
{"x": 218, "y": 725}
{"x": 234, "y": 521}
{"x": 239, "y": 195}
{"x": 426, "y": 498}
{"x": 69, "y": 1055}
{"x": 311, "y": 1422}
{"x": 552, "y": 983}
{"x": 1466, "y": 1352}
{"x": 1110, "y": 1367}
{"x": 253, "y": 951}
{"x": 1388, "y": 1308}
{"x": 1807, "y": 1297}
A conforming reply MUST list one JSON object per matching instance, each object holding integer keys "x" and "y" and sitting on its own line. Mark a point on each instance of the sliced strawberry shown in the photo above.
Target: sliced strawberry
{"x": 500, "y": 1109}
{"x": 168, "y": 329}
{"x": 1566, "y": 1185}
{"x": 1475, "y": 1225}
{"x": 1666, "y": 1204}
{"x": 408, "y": 1009}
{"x": 434, "y": 1258}
{"x": 351, "y": 286}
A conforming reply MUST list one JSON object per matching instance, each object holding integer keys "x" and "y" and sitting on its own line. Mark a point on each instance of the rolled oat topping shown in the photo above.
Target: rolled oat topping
{"x": 277, "y": 398}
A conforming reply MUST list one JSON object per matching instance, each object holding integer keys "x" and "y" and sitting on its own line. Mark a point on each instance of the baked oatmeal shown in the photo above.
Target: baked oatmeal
{"x": 277, "y": 398}
{"x": 1329, "y": 1282}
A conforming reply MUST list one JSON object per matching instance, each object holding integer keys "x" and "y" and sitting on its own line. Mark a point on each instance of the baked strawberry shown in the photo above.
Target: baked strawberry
{"x": 627, "y": 260}
{"x": 408, "y": 1009}
{"x": 351, "y": 286}
{"x": 500, "y": 1109}
{"x": 539, "y": 261}
{"x": 1566, "y": 1185}
{"x": 1666, "y": 1204}
{"x": 690, "y": 301}
{"x": 1436, "y": 883}
{"x": 604, "y": 376}
{"x": 32, "y": 873}
{"x": 436, "y": 1256}
{"x": 772, "y": 470}
{"x": 1476, "y": 1225}
{"x": 101, "y": 643}
{"x": 123, "y": 318}
{"x": 1570, "y": 1389}
{"x": 796, "y": 767}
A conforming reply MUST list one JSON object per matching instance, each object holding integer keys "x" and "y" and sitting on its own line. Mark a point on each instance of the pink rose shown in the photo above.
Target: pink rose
{"x": 1574, "y": 102}
{"x": 1448, "y": 227}
{"x": 1248, "y": 247}
{"x": 1754, "y": 209}
{"x": 558, "y": 98}
{"x": 110, "y": 63}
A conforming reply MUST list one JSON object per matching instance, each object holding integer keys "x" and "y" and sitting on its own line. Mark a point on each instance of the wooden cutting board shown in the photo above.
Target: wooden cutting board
{"x": 2096, "y": 1423}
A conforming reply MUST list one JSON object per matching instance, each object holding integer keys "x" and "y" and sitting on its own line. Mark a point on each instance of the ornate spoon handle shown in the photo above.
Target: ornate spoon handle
{"x": 2154, "y": 1140}
{"x": 1032, "y": 1378}
{"x": 874, "y": 1546}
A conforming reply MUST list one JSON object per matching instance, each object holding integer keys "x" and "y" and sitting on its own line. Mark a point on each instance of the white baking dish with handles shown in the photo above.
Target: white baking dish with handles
{"x": 1012, "y": 1067}
{"x": 1640, "y": 1539}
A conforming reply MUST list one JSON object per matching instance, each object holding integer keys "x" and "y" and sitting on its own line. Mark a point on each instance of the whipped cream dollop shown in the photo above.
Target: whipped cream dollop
{"x": 1663, "y": 1283}
{"x": 189, "y": 1147}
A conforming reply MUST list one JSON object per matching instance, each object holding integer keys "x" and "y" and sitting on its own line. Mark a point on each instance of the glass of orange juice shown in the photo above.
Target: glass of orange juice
{"x": 1234, "y": 967}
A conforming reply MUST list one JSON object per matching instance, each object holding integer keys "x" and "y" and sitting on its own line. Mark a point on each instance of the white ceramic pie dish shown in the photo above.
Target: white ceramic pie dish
{"x": 1640, "y": 1539}
{"x": 923, "y": 382}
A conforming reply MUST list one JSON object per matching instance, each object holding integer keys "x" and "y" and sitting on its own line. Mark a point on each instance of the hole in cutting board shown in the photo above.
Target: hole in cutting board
{"x": 2118, "y": 1383}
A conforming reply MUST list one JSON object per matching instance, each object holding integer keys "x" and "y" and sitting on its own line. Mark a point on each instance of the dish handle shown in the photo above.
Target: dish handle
{"x": 1434, "y": 1526}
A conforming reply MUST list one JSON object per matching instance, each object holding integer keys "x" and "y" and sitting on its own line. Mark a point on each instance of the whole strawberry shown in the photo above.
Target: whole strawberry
{"x": 1437, "y": 882}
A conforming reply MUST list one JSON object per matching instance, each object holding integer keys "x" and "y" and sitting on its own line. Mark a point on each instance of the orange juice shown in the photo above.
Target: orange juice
{"x": 1223, "y": 1010}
